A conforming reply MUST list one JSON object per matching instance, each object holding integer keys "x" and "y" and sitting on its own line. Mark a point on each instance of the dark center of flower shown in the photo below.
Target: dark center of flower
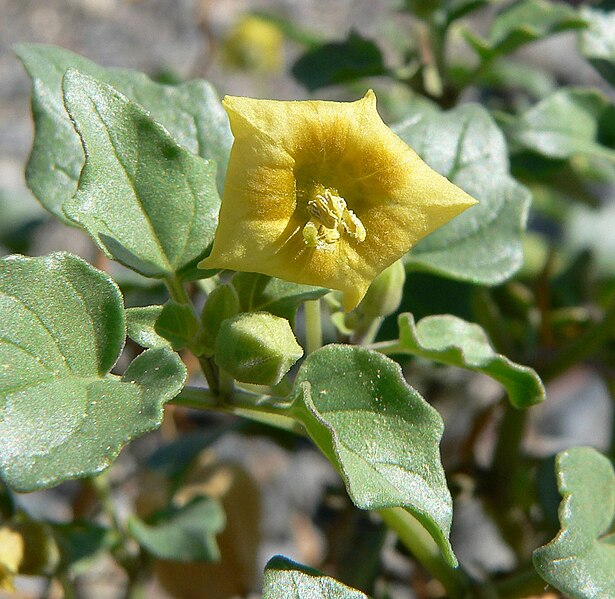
{"x": 329, "y": 218}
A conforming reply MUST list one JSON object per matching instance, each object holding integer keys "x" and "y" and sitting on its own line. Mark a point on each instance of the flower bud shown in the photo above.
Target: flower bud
{"x": 384, "y": 294}
{"x": 257, "y": 348}
{"x": 222, "y": 303}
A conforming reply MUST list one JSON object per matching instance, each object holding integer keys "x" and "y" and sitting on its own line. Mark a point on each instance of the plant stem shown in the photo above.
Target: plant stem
{"x": 102, "y": 487}
{"x": 260, "y": 408}
{"x": 211, "y": 374}
{"x": 313, "y": 326}
{"x": 412, "y": 534}
{"x": 367, "y": 330}
{"x": 587, "y": 344}
{"x": 522, "y": 584}
{"x": 177, "y": 291}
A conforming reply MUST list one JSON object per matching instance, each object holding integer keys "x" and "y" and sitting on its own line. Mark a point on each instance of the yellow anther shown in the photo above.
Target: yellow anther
{"x": 329, "y": 217}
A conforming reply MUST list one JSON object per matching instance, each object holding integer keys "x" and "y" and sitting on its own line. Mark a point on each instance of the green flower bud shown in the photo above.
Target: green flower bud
{"x": 384, "y": 294}
{"x": 257, "y": 348}
{"x": 222, "y": 303}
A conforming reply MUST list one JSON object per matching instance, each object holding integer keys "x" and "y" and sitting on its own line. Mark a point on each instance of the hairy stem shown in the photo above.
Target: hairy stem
{"x": 313, "y": 326}
{"x": 412, "y": 534}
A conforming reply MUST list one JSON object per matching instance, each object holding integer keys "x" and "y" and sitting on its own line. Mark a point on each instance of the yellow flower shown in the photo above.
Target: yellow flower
{"x": 11, "y": 556}
{"x": 324, "y": 193}
{"x": 254, "y": 45}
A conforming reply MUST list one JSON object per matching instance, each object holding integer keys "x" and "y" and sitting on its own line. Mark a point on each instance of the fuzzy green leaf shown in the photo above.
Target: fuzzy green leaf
{"x": 147, "y": 202}
{"x": 191, "y": 112}
{"x": 260, "y": 293}
{"x": 62, "y": 415}
{"x": 178, "y": 324}
{"x": 568, "y": 122}
{"x": 141, "y": 326}
{"x": 451, "y": 340}
{"x": 182, "y": 534}
{"x": 524, "y": 22}
{"x": 378, "y": 431}
{"x": 285, "y": 578}
{"x": 482, "y": 245}
{"x": 580, "y": 560}
{"x": 597, "y": 42}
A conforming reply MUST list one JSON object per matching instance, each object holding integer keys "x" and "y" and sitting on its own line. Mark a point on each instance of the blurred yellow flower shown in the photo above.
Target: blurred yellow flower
{"x": 254, "y": 45}
{"x": 11, "y": 556}
{"x": 324, "y": 193}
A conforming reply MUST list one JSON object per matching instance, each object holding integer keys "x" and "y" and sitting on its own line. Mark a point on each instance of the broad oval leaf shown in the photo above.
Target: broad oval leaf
{"x": 597, "y": 42}
{"x": 482, "y": 245}
{"x": 568, "y": 122}
{"x": 141, "y": 326}
{"x": 147, "y": 202}
{"x": 182, "y": 534}
{"x": 524, "y": 22}
{"x": 580, "y": 560}
{"x": 452, "y": 340}
{"x": 191, "y": 112}
{"x": 378, "y": 431}
{"x": 62, "y": 415}
{"x": 285, "y": 578}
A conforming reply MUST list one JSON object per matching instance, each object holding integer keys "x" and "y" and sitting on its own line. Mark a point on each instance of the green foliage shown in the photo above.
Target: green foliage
{"x": 141, "y": 326}
{"x": 482, "y": 245}
{"x": 63, "y": 414}
{"x": 451, "y": 340}
{"x": 191, "y": 112}
{"x": 183, "y": 534}
{"x": 259, "y": 293}
{"x": 166, "y": 193}
{"x": 523, "y": 22}
{"x": 339, "y": 62}
{"x": 597, "y": 42}
{"x": 568, "y": 122}
{"x": 378, "y": 431}
{"x": 284, "y": 577}
{"x": 178, "y": 324}
{"x": 580, "y": 561}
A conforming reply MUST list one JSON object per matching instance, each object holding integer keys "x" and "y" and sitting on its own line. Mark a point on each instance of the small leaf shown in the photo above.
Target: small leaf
{"x": 451, "y": 340}
{"x": 580, "y": 560}
{"x": 339, "y": 62}
{"x": 285, "y": 578}
{"x": 141, "y": 326}
{"x": 568, "y": 122}
{"x": 482, "y": 245}
{"x": 260, "y": 293}
{"x": 597, "y": 42}
{"x": 79, "y": 541}
{"x": 378, "y": 431}
{"x": 191, "y": 112}
{"x": 183, "y": 534}
{"x": 456, "y": 9}
{"x": 61, "y": 414}
{"x": 524, "y": 22}
{"x": 178, "y": 324}
{"x": 145, "y": 201}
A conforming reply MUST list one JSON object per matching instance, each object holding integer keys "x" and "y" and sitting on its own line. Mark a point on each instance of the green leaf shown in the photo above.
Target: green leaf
{"x": 482, "y": 245}
{"x": 260, "y": 293}
{"x": 79, "y": 541}
{"x": 339, "y": 62}
{"x": 285, "y": 578}
{"x": 524, "y": 22}
{"x": 451, "y": 340}
{"x": 568, "y": 122}
{"x": 456, "y": 9}
{"x": 178, "y": 324}
{"x": 62, "y": 415}
{"x": 378, "y": 431}
{"x": 580, "y": 561}
{"x": 182, "y": 534}
{"x": 597, "y": 42}
{"x": 146, "y": 202}
{"x": 141, "y": 326}
{"x": 191, "y": 112}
